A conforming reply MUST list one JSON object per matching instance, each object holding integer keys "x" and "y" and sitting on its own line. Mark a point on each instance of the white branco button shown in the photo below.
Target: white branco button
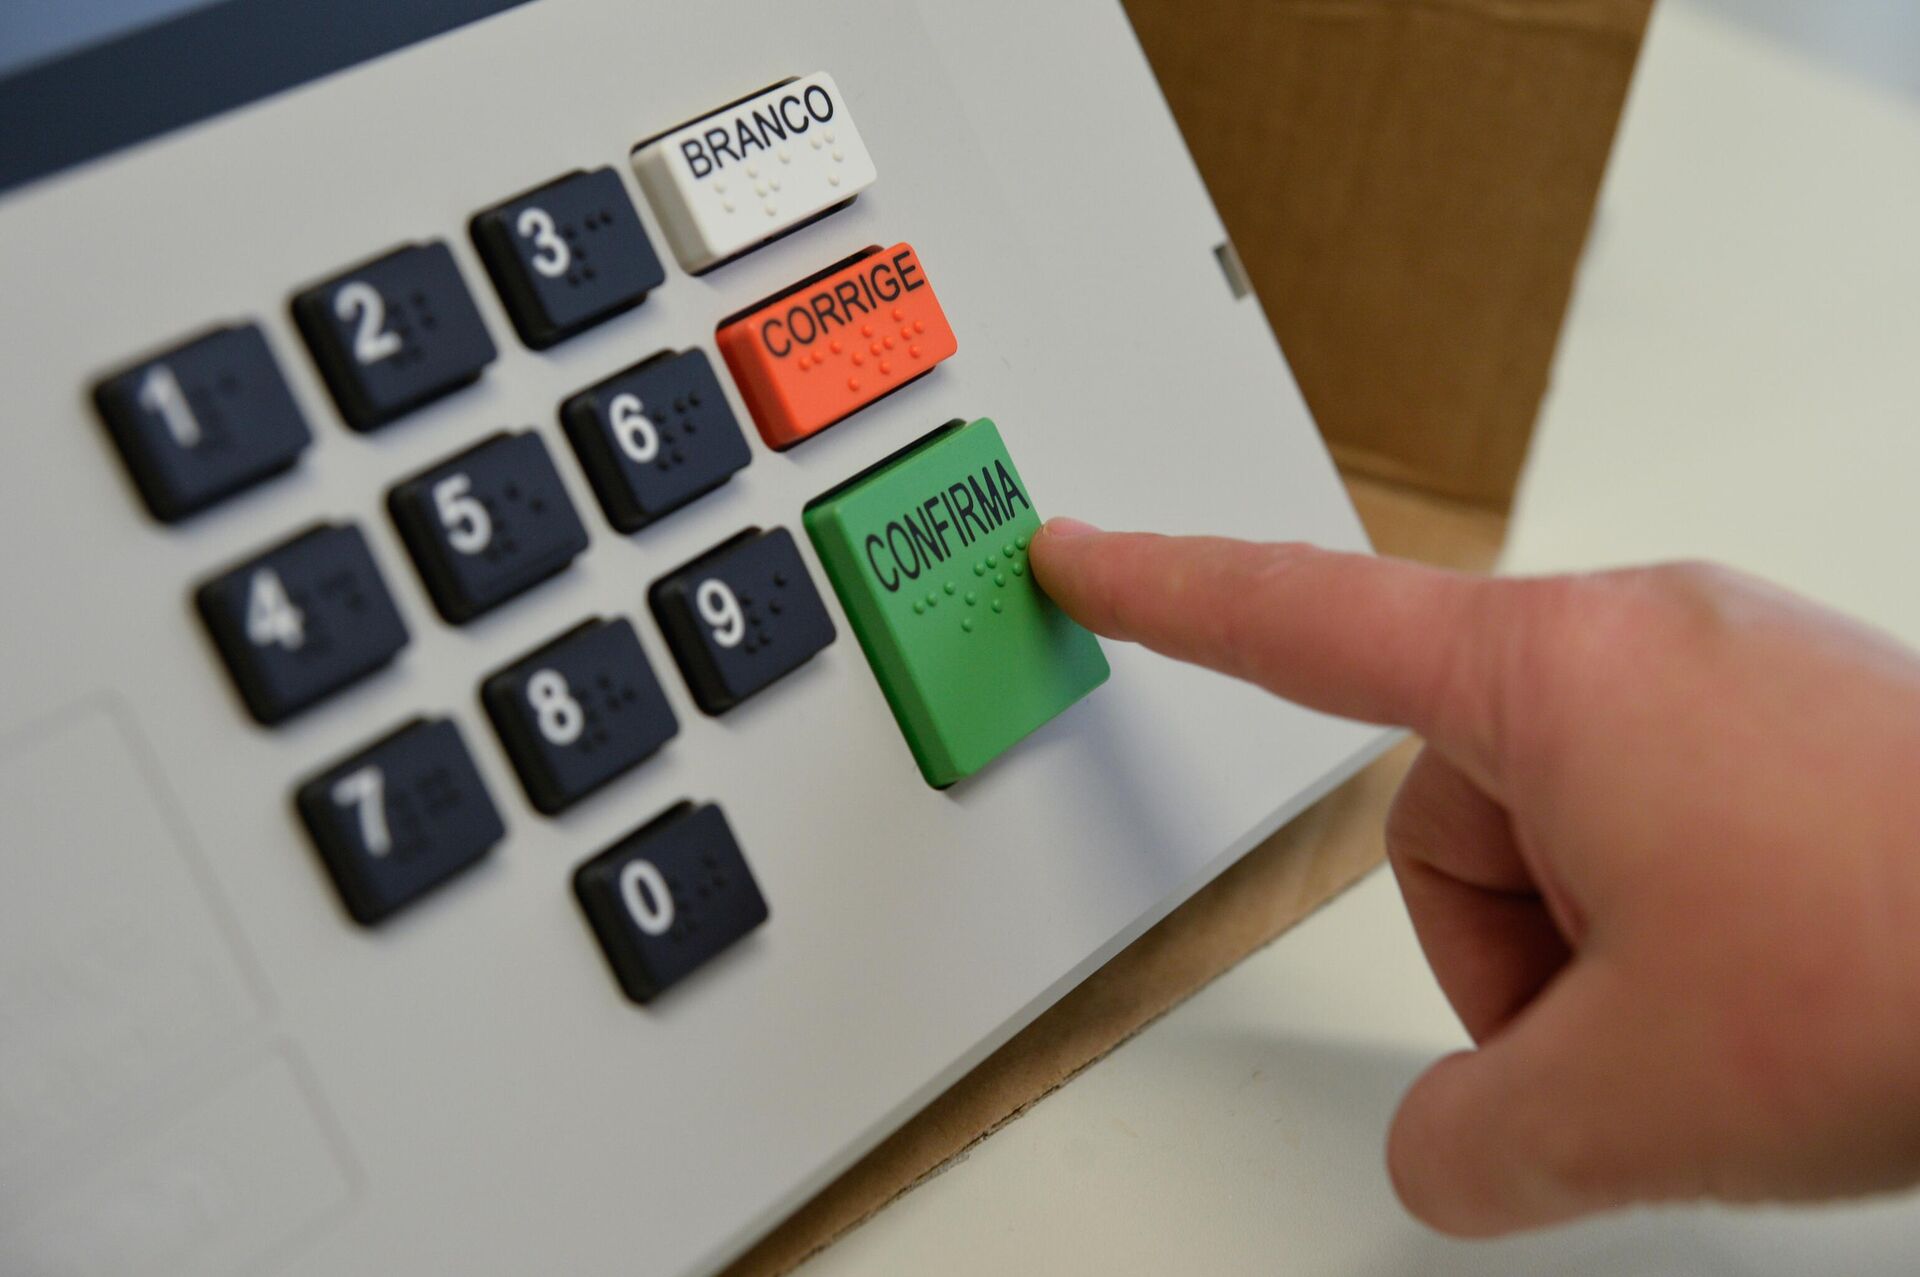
{"x": 736, "y": 178}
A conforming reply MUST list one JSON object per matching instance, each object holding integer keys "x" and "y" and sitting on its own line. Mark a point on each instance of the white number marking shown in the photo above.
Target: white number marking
{"x": 461, "y": 514}
{"x": 372, "y": 339}
{"x": 561, "y": 718}
{"x": 718, "y": 607}
{"x": 651, "y": 909}
{"x": 271, "y": 616}
{"x": 366, "y": 789}
{"x": 160, "y": 394}
{"x": 631, "y": 426}
{"x": 550, "y": 256}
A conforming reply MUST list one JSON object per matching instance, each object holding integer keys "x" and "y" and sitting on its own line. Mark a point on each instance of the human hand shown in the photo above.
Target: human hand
{"x": 1662, "y": 851}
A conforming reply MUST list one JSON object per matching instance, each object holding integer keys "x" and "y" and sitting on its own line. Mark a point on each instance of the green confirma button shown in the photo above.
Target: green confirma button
{"x": 928, "y": 553}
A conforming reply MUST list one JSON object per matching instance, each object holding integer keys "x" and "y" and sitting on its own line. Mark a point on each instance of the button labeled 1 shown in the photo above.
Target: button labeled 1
{"x": 567, "y": 256}
{"x": 740, "y": 616}
{"x": 579, "y": 712}
{"x": 669, "y": 897}
{"x": 928, "y": 553}
{"x": 203, "y": 421}
{"x": 400, "y": 817}
{"x": 394, "y": 333}
{"x": 753, "y": 171}
{"x": 655, "y": 437}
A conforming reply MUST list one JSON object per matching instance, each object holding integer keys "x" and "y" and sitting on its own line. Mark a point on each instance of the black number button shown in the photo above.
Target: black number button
{"x": 394, "y": 333}
{"x": 655, "y": 437}
{"x": 487, "y": 524}
{"x": 399, "y": 818}
{"x": 567, "y": 255}
{"x": 668, "y": 897}
{"x": 302, "y": 620}
{"x": 579, "y": 712}
{"x": 203, "y": 420}
{"x": 740, "y": 616}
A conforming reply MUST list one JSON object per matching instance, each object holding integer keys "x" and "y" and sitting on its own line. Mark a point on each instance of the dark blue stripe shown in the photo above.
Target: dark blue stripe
{"x": 160, "y": 78}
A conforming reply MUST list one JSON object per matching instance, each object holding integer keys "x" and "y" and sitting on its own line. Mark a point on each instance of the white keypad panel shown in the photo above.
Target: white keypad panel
{"x": 748, "y": 172}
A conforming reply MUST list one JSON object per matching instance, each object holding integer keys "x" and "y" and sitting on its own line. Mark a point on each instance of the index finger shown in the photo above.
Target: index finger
{"x": 1352, "y": 635}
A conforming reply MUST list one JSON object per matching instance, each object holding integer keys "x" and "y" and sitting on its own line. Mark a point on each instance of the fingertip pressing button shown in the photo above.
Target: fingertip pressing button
{"x": 928, "y": 554}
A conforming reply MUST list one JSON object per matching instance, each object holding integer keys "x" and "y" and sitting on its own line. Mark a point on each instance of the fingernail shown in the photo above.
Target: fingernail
{"x": 1067, "y": 528}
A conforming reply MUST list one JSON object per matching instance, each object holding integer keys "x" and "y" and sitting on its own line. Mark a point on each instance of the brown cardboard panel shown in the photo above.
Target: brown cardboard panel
{"x": 1409, "y": 183}
{"x": 1321, "y": 853}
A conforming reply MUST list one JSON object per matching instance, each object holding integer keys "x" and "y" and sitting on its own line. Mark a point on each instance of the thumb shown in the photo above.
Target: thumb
{"x": 1551, "y": 1119}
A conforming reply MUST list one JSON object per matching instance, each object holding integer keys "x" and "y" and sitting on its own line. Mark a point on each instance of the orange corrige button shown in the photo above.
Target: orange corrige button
{"x": 832, "y": 344}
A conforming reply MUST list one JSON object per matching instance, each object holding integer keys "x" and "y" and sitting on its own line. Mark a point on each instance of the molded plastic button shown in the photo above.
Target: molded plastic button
{"x": 399, "y": 818}
{"x": 740, "y": 617}
{"x": 655, "y": 437}
{"x": 394, "y": 333}
{"x": 487, "y": 524}
{"x": 567, "y": 255}
{"x": 668, "y": 898}
{"x": 752, "y": 171}
{"x": 302, "y": 620}
{"x": 204, "y": 420}
{"x": 928, "y": 553}
{"x": 832, "y": 344}
{"x": 579, "y": 712}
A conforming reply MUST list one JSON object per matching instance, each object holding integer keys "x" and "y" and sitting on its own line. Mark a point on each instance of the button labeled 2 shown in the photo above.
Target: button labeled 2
{"x": 740, "y": 616}
{"x": 203, "y": 421}
{"x": 753, "y": 171}
{"x": 655, "y": 437}
{"x": 487, "y": 524}
{"x": 399, "y": 818}
{"x": 928, "y": 553}
{"x": 302, "y": 621}
{"x": 580, "y": 711}
{"x": 829, "y": 346}
{"x": 668, "y": 898}
{"x": 394, "y": 333}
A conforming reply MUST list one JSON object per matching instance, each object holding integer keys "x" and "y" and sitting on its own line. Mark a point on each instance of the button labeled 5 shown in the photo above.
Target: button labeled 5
{"x": 487, "y": 524}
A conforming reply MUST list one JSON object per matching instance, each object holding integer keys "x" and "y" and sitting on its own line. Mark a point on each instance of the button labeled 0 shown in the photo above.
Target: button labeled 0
{"x": 834, "y": 343}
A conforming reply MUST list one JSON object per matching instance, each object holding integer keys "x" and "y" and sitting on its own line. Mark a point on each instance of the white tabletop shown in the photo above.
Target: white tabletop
{"x": 1740, "y": 378}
